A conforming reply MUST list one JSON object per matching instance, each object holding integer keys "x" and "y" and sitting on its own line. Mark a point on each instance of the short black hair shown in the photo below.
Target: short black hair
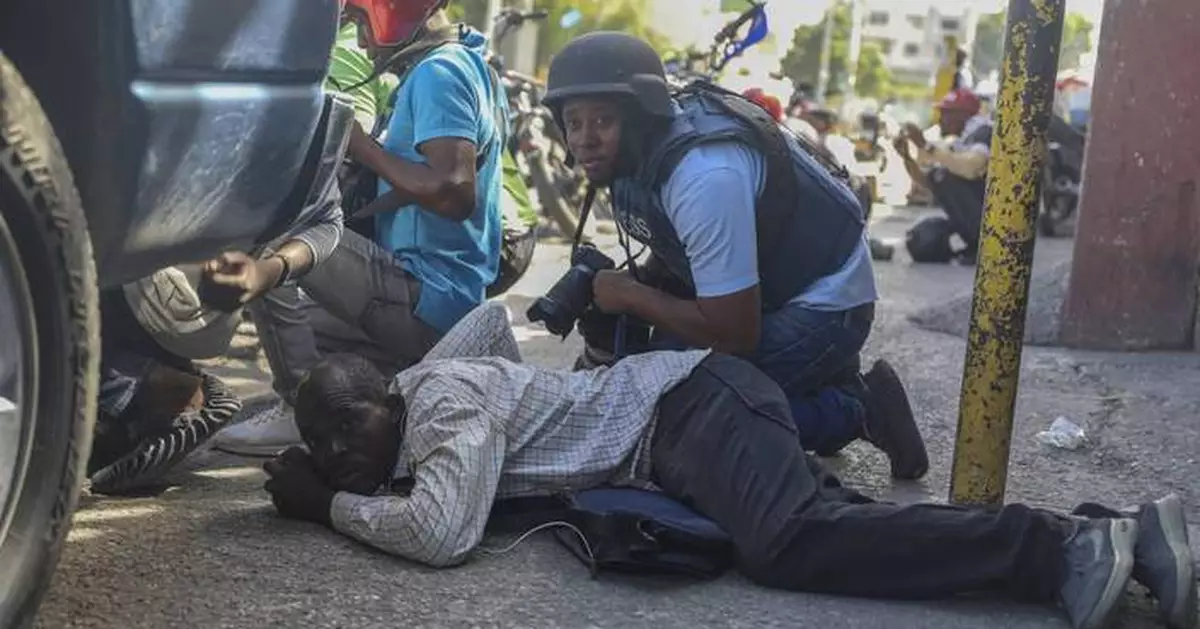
{"x": 340, "y": 382}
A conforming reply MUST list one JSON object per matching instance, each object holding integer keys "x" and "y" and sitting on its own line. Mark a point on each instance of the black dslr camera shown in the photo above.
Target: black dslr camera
{"x": 571, "y": 295}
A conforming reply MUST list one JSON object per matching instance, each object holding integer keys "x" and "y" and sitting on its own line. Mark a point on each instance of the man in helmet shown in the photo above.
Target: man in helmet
{"x": 758, "y": 249}
{"x": 956, "y": 172}
{"x": 437, "y": 239}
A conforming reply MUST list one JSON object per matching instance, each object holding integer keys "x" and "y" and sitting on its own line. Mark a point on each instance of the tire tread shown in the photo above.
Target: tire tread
{"x": 31, "y": 158}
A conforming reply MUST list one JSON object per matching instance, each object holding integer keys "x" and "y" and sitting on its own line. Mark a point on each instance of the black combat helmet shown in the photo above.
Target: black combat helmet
{"x": 606, "y": 62}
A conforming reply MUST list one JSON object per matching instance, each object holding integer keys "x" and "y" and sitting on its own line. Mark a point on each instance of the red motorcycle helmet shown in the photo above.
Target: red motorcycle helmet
{"x": 392, "y": 23}
{"x": 769, "y": 102}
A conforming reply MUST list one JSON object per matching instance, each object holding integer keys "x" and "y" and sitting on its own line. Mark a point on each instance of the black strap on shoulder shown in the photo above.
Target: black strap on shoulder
{"x": 777, "y": 202}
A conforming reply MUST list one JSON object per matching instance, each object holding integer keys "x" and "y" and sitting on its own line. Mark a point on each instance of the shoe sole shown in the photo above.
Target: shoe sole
{"x": 917, "y": 465}
{"x": 1173, "y": 525}
{"x": 1122, "y": 536}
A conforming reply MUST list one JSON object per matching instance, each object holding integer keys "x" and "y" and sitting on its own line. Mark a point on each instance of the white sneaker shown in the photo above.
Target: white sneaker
{"x": 266, "y": 433}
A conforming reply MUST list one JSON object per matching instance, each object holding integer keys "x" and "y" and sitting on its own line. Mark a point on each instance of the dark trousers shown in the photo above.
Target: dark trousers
{"x": 725, "y": 444}
{"x": 127, "y": 354}
{"x": 962, "y": 201}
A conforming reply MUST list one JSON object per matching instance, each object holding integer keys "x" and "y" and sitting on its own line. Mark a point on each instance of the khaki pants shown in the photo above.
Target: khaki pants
{"x": 360, "y": 300}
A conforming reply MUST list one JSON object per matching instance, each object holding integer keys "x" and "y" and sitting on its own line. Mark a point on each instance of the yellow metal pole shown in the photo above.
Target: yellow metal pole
{"x": 993, "y": 361}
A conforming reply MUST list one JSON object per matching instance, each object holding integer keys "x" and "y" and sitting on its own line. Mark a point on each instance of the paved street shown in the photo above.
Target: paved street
{"x": 208, "y": 551}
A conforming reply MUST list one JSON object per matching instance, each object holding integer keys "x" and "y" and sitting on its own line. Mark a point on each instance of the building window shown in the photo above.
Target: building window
{"x": 878, "y": 18}
{"x": 886, "y": 46}
{"x": 912, "y": 50}
{"x": 950, "y": 24}
{"x": 917, "y": 21}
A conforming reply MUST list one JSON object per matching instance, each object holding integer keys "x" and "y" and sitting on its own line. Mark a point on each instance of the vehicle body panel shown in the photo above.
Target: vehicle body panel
{"x": 188, "y": 123}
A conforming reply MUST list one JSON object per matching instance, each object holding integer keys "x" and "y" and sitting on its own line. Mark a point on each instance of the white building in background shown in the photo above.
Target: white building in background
{"x": 911, "y": 33}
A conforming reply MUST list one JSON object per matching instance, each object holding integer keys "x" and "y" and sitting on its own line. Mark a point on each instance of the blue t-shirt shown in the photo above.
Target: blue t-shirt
{"x": 448, "y": 95}
{"x": 710, "y": 200}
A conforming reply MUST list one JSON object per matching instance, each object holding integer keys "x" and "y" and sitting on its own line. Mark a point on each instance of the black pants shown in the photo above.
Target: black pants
{"x": 725, "y": 444}
{"x": 962, "y": 200}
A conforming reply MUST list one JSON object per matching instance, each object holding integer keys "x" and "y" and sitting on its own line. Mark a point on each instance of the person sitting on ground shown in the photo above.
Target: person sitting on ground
{"x": 431, "y": 260}
{"x": 472, "y": 424}
{"x": 955, "y": 170}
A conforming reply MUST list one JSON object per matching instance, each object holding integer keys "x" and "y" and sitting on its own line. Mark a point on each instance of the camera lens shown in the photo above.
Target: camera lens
{"x": 552, "y": 315}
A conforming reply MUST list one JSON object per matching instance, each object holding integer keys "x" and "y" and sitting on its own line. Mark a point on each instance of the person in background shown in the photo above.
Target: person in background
{"x": 955, "y": 169}
{"x": 963, "y": 79}
{"x": 391, "y": 298}
{"x": 769, "y": 102}
{"x": 473, "y": 424}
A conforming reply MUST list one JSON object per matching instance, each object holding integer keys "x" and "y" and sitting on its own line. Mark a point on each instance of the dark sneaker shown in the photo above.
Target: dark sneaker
{"x": 1099, "y": 562}
{"x": 890, "y": 425}
{"x": 154, "y": 456}
{"x": 1163, "y": 561}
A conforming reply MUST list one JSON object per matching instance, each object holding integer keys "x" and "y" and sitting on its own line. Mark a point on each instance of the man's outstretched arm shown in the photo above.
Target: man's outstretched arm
{"x": 458, "y": 455}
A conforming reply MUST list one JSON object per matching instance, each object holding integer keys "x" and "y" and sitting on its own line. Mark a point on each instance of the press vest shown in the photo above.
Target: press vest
{"x": 808, "y": 221}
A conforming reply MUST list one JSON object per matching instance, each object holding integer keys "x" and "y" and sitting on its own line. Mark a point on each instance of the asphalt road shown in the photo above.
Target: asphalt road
{"x": 208, "y": 551}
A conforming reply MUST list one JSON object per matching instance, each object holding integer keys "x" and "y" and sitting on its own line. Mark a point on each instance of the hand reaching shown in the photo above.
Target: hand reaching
{"x": 234, "y": 279}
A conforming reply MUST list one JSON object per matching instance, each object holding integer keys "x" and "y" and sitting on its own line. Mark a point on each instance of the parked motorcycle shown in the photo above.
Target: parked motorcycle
{"x": 728, "y": 44}
{"x": 1062, "y": 178}
{"x": 537, "y": 142}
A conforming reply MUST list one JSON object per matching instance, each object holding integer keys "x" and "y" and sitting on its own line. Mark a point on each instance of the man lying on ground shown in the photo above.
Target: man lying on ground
{"x": 471, "y": 424}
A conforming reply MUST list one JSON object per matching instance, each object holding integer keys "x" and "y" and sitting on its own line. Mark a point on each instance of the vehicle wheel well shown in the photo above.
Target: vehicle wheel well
{"x": 60, "y": 55}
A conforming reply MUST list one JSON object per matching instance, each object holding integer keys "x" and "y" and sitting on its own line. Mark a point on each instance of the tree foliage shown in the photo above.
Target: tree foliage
{"x": 802, "y": 63}
{"x": 988, "y": 52}
{"x": 1076, "y": 41}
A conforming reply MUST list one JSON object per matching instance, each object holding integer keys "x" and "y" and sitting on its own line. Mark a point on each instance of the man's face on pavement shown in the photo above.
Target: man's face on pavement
{"x": 348, "y": 426}
{"x": 593, "y": 126}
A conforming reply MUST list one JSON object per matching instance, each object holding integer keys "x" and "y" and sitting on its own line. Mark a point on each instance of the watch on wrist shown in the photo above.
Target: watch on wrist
{"x": 286, "y": 275}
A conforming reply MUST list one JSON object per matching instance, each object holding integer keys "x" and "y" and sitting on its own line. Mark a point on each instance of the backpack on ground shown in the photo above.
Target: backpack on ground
{"x": 929, "y": 240}
{"x": 623, "y": 529}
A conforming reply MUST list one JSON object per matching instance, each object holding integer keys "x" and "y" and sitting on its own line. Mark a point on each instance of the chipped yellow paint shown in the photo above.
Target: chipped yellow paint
{"x": 991, "y": 370}
{"x": 1044, "y": 10}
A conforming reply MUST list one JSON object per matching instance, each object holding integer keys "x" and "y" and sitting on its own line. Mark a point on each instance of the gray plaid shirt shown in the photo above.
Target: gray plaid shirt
{"x": 482, "y": 425}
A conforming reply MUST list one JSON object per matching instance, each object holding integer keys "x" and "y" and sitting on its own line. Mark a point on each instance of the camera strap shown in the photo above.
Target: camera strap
{"x": 584, "y": 212}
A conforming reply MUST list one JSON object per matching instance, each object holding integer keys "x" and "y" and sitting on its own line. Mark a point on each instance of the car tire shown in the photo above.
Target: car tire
{"x": 44, "y": 239}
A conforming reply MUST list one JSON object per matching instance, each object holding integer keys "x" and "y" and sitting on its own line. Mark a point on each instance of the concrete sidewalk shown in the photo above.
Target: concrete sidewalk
{"x": 209, "y": 552}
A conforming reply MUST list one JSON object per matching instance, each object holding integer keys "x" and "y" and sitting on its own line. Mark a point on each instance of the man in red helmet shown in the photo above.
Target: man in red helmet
{"x": 955, "y": 172}
{"x": 769, "y": 102}
{"x": 436, "y": 242}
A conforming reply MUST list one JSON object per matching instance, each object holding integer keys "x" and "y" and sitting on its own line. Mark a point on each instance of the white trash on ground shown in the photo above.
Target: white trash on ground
{"x": 1064, "y": 434}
